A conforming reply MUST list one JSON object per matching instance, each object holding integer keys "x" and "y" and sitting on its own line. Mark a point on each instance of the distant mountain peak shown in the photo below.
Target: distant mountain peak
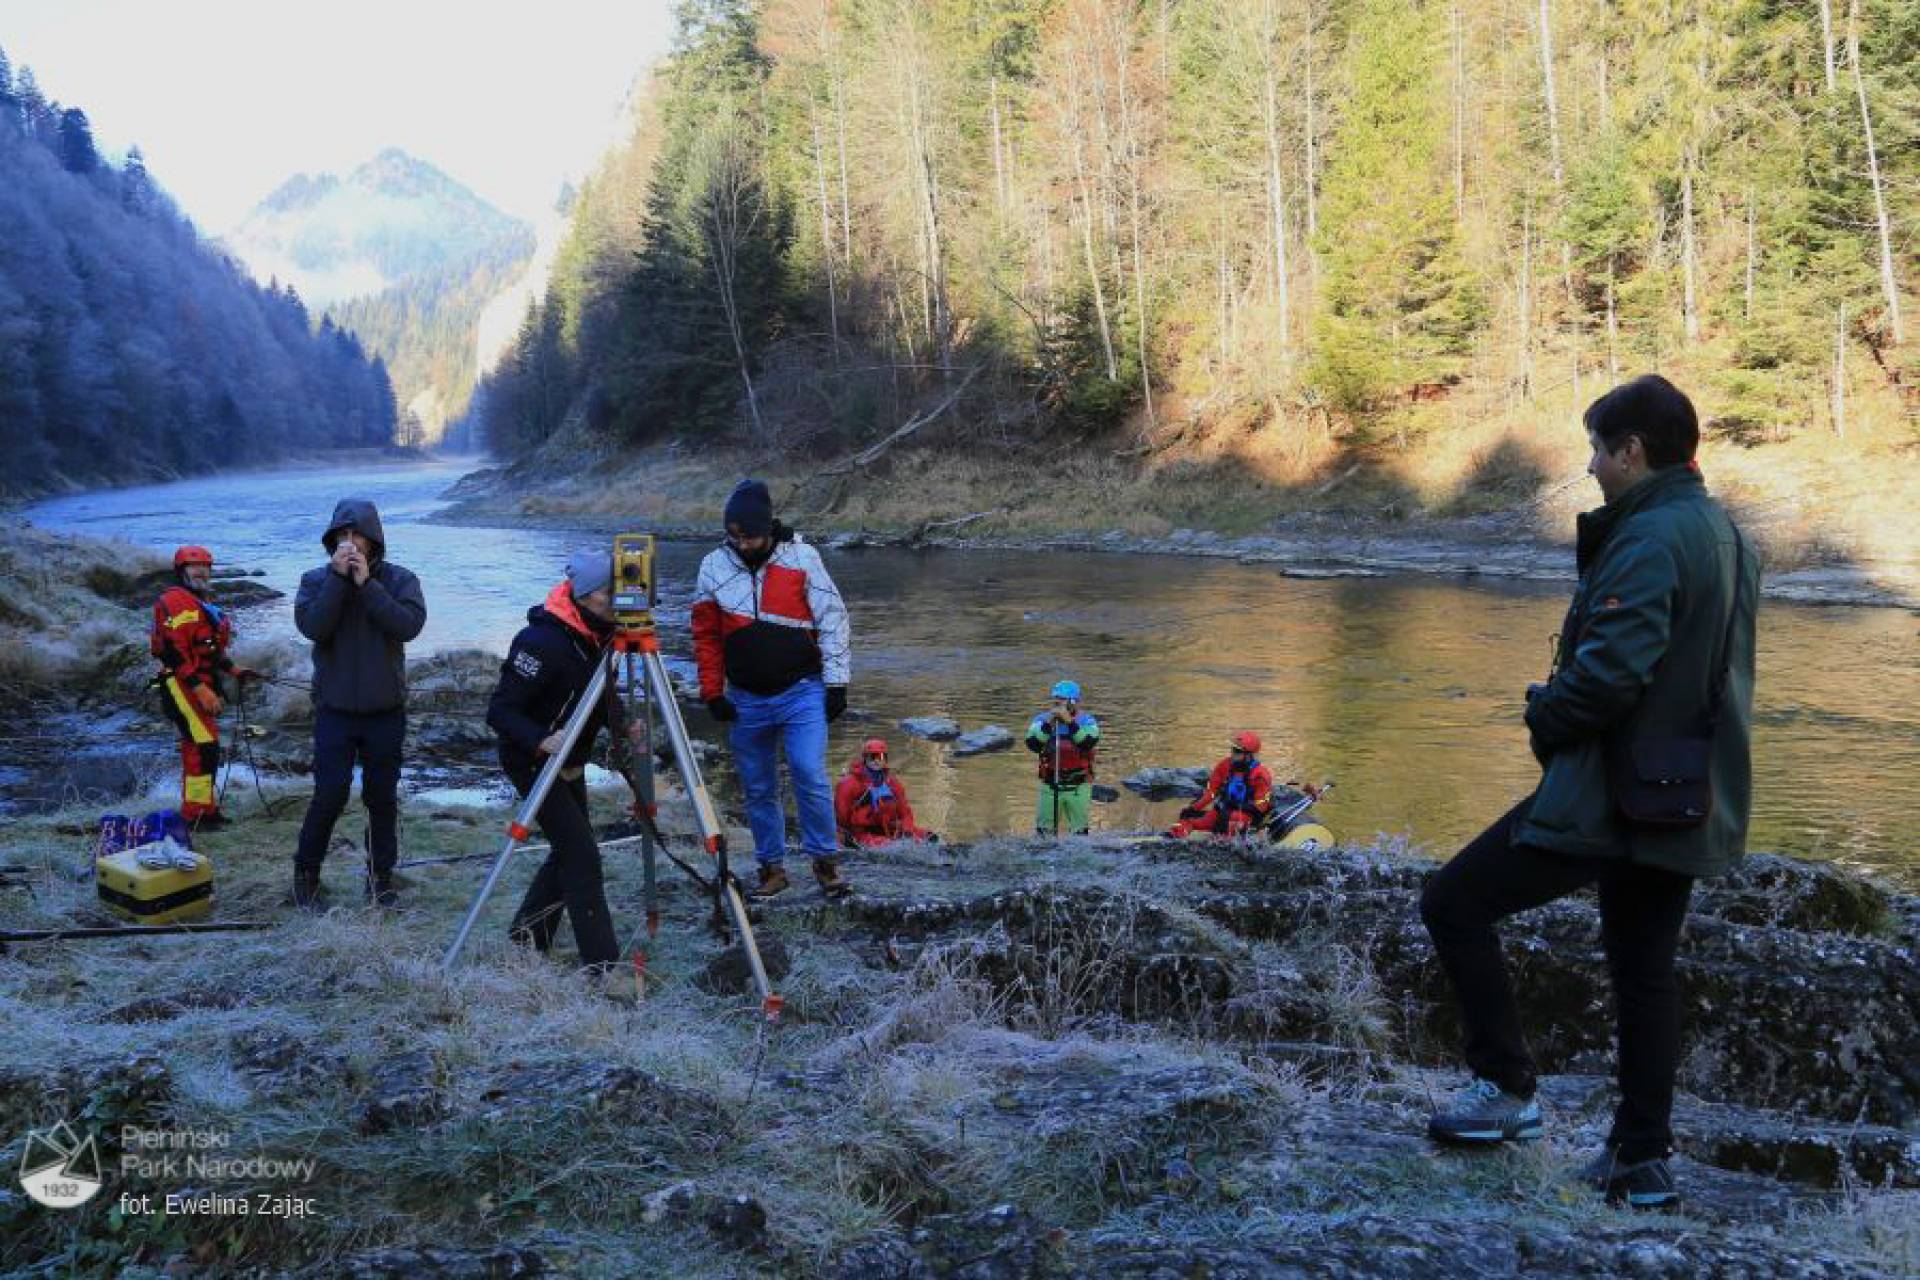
{"x": 301, "y": 191}
{"x": 394, "y": 172}
{"x": 392, "y": 219}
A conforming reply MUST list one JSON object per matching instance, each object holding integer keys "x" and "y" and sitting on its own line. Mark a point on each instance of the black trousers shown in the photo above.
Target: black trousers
{"x": 340, "y": 738}
{"x": 569, "y": 878}
{"x": 1641, "y": 910}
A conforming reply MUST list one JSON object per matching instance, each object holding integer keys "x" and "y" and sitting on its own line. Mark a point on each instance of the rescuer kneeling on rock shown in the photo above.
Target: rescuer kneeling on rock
{"x": 870, "y": 804}
{"x": 1239, "y": 794}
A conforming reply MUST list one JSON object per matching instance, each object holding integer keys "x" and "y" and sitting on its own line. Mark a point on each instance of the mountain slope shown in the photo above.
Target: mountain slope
{"x": 129, "y": 348}
{"x": 393, "y": 219}
{"x": 401, "y": 254}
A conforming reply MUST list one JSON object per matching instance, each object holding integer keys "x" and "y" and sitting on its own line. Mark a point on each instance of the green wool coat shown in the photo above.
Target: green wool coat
{"x": 1639, "y": 652}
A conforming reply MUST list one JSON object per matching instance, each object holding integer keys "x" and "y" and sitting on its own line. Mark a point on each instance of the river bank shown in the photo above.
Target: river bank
{"x": 1007, "y": 1058}
{"x": 929, "y": 500}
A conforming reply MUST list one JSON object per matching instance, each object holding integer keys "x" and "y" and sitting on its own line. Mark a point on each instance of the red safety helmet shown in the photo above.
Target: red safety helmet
{"x": 1247, "y": 740}
{"x": 874, "y": 747}
{"x": 192, "y": 555}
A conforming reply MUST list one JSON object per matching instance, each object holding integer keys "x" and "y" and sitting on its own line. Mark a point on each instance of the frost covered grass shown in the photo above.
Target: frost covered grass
{"x": 1052, "y": 1051}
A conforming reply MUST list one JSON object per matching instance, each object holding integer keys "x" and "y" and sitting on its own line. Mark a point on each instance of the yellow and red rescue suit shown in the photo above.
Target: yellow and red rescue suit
{"x": 871, "y": 807}
{"x": 1236, "y": 800}
{"x": 190, "y": 638}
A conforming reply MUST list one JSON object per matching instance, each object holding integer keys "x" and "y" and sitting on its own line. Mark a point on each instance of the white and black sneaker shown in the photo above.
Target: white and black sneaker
{"x": 1484, "y": 1114}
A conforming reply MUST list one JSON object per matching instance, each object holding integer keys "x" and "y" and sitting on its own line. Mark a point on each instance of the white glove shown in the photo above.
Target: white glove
{"x": 156, "y": 856}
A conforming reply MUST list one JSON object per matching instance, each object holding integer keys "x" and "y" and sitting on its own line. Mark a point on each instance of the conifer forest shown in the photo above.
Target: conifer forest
{"x": 1074, "y": 217}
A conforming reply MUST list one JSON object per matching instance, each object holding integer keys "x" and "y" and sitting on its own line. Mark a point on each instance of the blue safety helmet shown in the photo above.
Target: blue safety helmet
{"x": 1067, "y": 689}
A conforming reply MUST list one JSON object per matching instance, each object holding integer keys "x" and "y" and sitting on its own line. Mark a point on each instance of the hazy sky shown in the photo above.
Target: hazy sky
{"x": 228, "y": 98}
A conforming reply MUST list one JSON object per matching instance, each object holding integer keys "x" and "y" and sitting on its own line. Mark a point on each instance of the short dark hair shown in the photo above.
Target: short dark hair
{"x": 1653, "y": 409}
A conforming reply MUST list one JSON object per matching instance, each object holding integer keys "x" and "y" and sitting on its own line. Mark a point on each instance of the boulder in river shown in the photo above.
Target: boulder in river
{"x": 1160, "y": 783}
{"x": 987, "y": 738}
{"x": 932, "y": 728}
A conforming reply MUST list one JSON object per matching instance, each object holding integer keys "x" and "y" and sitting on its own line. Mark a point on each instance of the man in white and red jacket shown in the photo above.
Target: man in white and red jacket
{"x": 771, "y": 636}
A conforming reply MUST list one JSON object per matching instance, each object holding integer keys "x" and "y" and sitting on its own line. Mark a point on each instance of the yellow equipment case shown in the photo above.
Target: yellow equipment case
{"x": 154, "y": 895}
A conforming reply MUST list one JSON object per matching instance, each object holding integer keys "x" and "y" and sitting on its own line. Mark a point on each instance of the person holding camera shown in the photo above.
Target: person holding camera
{"x": 1642, "y": 733}
{"x": 771, "y": 636}
{"x": 190, "y": 636}
{"x": 546, "y": 673}
{"x": 359, "y": 609}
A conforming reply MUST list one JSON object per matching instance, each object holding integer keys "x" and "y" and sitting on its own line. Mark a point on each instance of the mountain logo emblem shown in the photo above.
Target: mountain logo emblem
{"x": 59, "y": 1170}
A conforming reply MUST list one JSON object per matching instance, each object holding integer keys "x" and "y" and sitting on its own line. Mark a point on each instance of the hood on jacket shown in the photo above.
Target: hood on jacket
{"x": 560, "y": 607}
{"x": 360, "y": 515}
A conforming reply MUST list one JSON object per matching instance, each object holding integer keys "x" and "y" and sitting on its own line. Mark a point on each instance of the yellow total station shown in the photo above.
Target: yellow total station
{"x": 633, "y": 585}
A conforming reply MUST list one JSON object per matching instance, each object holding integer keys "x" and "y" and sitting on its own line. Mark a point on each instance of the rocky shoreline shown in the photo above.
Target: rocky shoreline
{"x": 1308, "y": 547}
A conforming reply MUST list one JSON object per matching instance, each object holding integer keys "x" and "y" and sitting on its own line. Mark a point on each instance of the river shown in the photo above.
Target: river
{"x": 1404, "y": 690}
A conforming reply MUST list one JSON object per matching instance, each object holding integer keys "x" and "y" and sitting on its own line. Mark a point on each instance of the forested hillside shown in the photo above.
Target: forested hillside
{"x": 1356, "y": 219}
{"x": 405, "y": 257}
{"x": 128, "y": 347}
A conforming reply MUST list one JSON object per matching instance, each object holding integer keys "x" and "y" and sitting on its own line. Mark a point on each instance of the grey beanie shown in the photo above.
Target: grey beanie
{"x": 588, "y": 570}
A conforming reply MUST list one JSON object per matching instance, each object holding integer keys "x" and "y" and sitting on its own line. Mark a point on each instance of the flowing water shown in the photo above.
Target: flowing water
{"x": 1405, "y": 690}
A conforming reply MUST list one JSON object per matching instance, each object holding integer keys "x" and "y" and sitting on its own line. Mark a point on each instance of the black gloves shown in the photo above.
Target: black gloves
{"x": 1191, "y": 812}
{"x": 836, "y": 702}
{"x": 722, "y": 708}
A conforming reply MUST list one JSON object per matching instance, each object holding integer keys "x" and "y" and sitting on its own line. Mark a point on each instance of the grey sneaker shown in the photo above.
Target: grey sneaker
{"x": 1645, "y": 1184}
{"x": 1483, "y": 1114}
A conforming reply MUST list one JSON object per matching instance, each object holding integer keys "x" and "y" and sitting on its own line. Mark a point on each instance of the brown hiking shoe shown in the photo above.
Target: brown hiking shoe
{"x": 832, "y": 883}
{"x": 773, "y": 879}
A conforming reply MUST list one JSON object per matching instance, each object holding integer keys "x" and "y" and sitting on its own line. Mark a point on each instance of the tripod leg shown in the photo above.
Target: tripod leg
{"x": 643, "y": 779}
{"x": 660, "y": 685}
{"x": 522, "y": 824}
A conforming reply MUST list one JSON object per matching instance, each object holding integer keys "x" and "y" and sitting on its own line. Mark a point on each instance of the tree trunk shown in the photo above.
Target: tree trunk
{"x": 1826, "y": 42}
{"x": 1887, "y": 283}
{"x": 1613, "y": 328}
{"x": 1093, "y": 267}
{"x": 999, "y": 168}
{"x": 1840, "y": 374}
{"x": 1459, "y": 122}
{"x": 846, "y": 215}
{"x": 1277, "y": 198}
{"x": 1313, "y": 148}
{"x": 1526, "y": 303}
{"x": 1130, "y": 130}
{"x": 1689, "y": 308}
{"x": 1747, "y": 312}
{"x": 1553, "y": 100}
{"x": 826, "y": 235}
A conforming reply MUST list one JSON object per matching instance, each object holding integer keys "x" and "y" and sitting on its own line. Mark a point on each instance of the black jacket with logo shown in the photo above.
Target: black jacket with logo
{"x": 547, "y": 669}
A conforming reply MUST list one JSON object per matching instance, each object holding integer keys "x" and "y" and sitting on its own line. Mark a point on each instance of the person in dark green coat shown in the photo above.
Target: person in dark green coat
{"x": 1657, "y": 647}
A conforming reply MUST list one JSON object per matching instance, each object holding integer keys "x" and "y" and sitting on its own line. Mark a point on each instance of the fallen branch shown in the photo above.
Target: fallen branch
{"x": 925, "y": 527}
{"x": 873, "y": 452}
{"x": 1336, "y": 482}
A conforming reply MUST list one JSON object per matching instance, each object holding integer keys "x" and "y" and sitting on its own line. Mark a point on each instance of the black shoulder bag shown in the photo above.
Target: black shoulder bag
{"x": 1666, "y": 783}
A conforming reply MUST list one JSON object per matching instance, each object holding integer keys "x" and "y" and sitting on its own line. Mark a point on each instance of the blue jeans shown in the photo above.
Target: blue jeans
{"x": 794, "y": 720}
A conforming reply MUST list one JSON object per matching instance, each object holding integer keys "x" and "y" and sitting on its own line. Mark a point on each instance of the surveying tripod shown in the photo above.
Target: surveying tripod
{"x": 636, "y": 649}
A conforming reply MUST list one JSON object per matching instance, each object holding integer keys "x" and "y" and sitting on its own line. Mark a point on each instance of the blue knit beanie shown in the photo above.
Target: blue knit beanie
{"x": 750, "y": 507}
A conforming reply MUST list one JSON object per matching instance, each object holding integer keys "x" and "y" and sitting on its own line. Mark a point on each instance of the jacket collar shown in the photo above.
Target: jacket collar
{"x": 1594, "y": 529}
{"x": 562, "y": 609}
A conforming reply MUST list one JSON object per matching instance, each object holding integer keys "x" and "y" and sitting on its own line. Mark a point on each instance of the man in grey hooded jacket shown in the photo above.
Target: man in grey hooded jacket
{"x": 359, "y": 609}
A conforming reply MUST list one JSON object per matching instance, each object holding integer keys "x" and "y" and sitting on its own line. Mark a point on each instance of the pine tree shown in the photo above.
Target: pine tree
{"x": 1398, "y": 305}
{"x": 77, "y": 153}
